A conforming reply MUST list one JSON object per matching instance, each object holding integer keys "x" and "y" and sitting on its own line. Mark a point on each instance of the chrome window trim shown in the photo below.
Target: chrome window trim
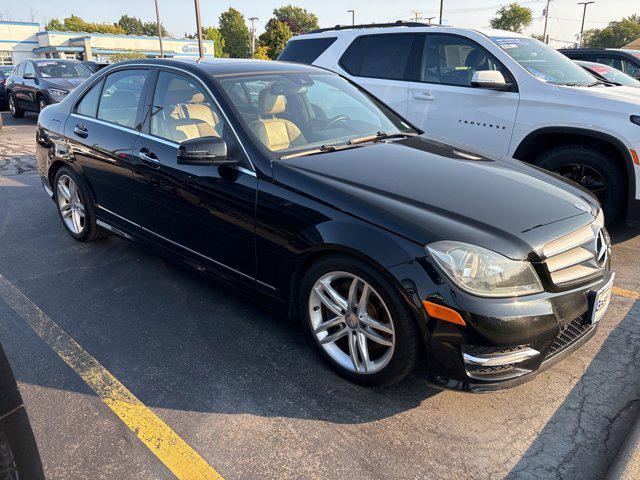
{"x": 108, "y": 124}
{"x": 185, "y": 248}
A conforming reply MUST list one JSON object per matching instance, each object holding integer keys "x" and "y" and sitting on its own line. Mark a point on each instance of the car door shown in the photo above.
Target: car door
{"x": 102, "y": 132}
{"x": 16, "y": 82}
{"x": 445, "y": 105}
{"x": 205, "y": 211}
{"x": 380, "y": 64}
{"x": 29, "y": 87}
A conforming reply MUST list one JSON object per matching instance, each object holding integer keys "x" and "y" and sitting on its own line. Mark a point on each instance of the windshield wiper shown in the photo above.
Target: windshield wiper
{"x": 380, "y": 136}
{"x": 316, "y": 151}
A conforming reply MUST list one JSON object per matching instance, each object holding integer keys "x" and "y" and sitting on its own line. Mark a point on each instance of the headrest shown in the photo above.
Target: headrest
{"x": 271, "y": 104}
{"x": 197, "y": 98}
{"x": 123, "y": 99}
{"x": 475, "y": 59}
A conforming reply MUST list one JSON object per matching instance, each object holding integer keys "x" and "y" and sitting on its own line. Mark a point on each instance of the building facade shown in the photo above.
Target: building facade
{"x": 21, "y": 40}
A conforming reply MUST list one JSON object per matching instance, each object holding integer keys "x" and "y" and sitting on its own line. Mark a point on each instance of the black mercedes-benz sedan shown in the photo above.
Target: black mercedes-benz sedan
{"x": 293, "y": 185}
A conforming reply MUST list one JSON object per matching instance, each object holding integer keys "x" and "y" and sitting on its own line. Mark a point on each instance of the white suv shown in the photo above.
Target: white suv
{"x": 497, "y": 93}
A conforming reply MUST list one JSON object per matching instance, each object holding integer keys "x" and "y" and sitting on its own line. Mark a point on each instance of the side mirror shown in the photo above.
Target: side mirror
{"x": 204, "y": 151}
{"x": 29, "y": 76}
{"x": 491, "y": 80}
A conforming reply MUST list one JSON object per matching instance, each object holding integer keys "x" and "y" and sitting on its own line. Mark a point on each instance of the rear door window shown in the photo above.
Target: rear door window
{"x": 121, "y": 97}
{"x": 305, "y": 51}
{"x": 379, "y": 56}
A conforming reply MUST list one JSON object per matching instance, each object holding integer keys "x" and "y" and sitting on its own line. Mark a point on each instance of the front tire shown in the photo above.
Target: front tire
{"x": 75, "y": 207}
{"x": 592, "y": 169}
{"x": 358, "y": 321}
{"x": 42, "y": 104}
{"x": 16, "y": 112}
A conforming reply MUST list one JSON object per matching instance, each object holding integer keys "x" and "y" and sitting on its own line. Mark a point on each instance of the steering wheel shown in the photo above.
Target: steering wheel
{"x": 337, "y": 119}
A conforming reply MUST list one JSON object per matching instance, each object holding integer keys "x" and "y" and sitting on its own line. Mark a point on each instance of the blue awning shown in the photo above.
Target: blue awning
{"x": 60, "y": 48}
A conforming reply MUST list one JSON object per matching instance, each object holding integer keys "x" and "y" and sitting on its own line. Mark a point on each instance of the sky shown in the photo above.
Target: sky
{"x": 177, "y": 15}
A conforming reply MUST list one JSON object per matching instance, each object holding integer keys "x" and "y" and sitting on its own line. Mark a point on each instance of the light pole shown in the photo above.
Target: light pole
{"x": 546, "y": 21}
{"x": 159, "y": 29}
{"x": 584, "y": 14}
{"x": 199, "y": 27}
{"x": 253, "y": 35}
{"x": 353, "y": 17}
{"x": 428, "y": 19}
{"x": 441, "y": 9}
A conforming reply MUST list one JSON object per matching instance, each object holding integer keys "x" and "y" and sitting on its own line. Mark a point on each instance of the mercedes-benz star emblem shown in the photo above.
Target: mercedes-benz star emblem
{"x": 601, "y": 249}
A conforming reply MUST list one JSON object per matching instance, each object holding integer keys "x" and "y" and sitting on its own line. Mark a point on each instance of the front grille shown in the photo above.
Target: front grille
{"x": 569, "y": 334}
{"x": 492, "y": 370}
{"x": 577, "y": 256}
{"x": 480, "y": 370}
{"x": 482, "y": 350}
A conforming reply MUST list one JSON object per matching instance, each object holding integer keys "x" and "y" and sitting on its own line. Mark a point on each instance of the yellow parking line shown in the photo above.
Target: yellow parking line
{"x": 626, "y": 293}
{"x": 163, "y": 442}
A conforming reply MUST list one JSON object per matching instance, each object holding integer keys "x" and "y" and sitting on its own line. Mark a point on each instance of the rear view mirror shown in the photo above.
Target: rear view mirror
{"x": 204, "y": 151}
{"x": 29, "y": 76}
{"x": 490, "y": 79}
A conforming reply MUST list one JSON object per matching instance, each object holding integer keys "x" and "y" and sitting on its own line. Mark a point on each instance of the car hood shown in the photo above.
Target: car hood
{"x": 618, "y": 93}
{"x": 62, "y": 83}
{"x": 427, "y": 191}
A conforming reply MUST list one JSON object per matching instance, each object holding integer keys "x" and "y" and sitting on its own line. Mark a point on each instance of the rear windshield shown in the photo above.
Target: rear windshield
{"x": 53, "y": 69}
{"x": 305, "y": 51}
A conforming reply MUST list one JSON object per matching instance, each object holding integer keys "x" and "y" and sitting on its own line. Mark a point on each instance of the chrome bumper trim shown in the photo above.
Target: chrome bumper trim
{"x": 494, "y": 360}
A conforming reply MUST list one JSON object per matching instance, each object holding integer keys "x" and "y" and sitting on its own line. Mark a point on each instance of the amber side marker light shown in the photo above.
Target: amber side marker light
{"x": 443, "y": 313}
{"x": 634, "y": 154}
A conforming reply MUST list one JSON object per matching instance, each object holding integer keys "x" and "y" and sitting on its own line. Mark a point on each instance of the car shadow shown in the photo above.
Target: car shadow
{"x": 30, "y": 118}
{"x": 622, "y": 233}
{"x": 581, "y": 431}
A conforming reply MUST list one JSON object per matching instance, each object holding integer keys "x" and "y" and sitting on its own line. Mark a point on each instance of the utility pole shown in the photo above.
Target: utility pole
{"x": 546, "y": 21}
{"x": 159, "y": 29}
{"x": 199, "y": 27}
{"x": 416, "y": 15}
{"x": 353, "y": 17}
{"x": 253, "y": 35}
{"x": 584, "y": 14}
{"x": 441, "y": 9}
{"x": 428, "y": 19}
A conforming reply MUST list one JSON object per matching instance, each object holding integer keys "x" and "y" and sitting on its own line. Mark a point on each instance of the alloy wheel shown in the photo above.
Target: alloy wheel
{"x": 12, "y": 105}
{"x": 70, "y": 204}
{"x": 586, "y": 176}
{"x": 351, "y": 322}
{"x": 42, "y": 104}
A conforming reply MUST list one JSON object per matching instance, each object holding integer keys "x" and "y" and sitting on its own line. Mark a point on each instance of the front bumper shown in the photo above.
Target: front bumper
{"x": 506, "y": 342}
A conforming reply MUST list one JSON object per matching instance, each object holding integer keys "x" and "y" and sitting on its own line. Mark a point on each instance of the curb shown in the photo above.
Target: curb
{"x": 626, "y": 465}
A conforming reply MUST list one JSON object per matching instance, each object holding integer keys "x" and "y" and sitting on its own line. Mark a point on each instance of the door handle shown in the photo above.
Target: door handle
{"x": 81, "y": 131}
{"x": 424, "y": 96}
{"x": 149, "y": 158}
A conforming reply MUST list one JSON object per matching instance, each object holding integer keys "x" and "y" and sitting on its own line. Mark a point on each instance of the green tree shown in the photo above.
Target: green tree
{"x": 121, "y": 57}
{"x": 54, "y": 24}
{"x": 275, "y": 37}
{"x": 262, "y": 53}
{"x": 512, "y": 17}
{"x": 298, "y": 19}
{"x": 151, "y": 29}
{"x": 131, "y": 25}
{"x": 235, "y": 33}
{"x": 212, "y": 33}
{"x": 615, "y": 35}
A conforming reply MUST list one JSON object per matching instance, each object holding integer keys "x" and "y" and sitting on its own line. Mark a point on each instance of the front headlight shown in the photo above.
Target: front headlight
{"x": 484, "y": 273}
{"x": 56, "y": 92}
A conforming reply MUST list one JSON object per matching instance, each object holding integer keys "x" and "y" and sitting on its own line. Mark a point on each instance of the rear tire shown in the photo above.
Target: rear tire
{"x": 594, "y": 170}
{"x": 16, "y": 111}
{"x": 379, "y": 315}
{"x": 75, "y": 207}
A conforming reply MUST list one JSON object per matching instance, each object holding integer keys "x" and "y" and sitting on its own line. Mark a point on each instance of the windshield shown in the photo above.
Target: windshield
{"x": 53, "y": 69}
{"x": 289, "y": 112}
{"x": 611, "y": 74}
{"x": 543, "y": 62}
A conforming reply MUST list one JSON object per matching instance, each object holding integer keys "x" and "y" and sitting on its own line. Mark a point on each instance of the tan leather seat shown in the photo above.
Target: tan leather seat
{"x": 275, "y": 133}
{"x": 187, "y": 115}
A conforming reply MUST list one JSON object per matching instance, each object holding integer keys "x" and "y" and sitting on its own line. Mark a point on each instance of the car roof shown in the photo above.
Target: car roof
{"x": 587, "y": 50}
{"x": 229, "y": 66}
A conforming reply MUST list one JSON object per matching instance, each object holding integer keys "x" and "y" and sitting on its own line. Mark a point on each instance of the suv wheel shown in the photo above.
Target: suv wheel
{"x": 593, "y": 170}
{"x": 358, "y": 322}
{"x": 75, "y": 207}
{"x": 16, "y": 112}
{"x": 42, "y": 103}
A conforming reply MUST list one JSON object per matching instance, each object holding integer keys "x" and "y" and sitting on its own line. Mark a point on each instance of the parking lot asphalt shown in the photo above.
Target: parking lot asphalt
{"x": 243, "y": 388}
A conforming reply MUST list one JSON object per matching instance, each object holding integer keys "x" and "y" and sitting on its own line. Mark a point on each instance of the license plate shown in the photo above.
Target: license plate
{"x": 601, "y": 301}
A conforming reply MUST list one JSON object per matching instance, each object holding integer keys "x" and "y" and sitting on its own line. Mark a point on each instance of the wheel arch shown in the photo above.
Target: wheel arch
{"x": 544, "y": 139}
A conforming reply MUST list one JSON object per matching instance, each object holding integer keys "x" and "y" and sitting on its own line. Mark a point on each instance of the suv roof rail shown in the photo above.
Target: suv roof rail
{"x": 398, "y": 23}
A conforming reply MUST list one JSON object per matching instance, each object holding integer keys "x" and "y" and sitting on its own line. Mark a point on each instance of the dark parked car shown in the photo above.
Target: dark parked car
{"x": 19, "y": 456}
{"x": 34, "y": 84}
{"x": 609, "y": 74}
{"x": 627, "y": 61}
{"x": 292, "y": 184}
{"x": 94, "y": 66}
{"x": 5, "y": 71}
